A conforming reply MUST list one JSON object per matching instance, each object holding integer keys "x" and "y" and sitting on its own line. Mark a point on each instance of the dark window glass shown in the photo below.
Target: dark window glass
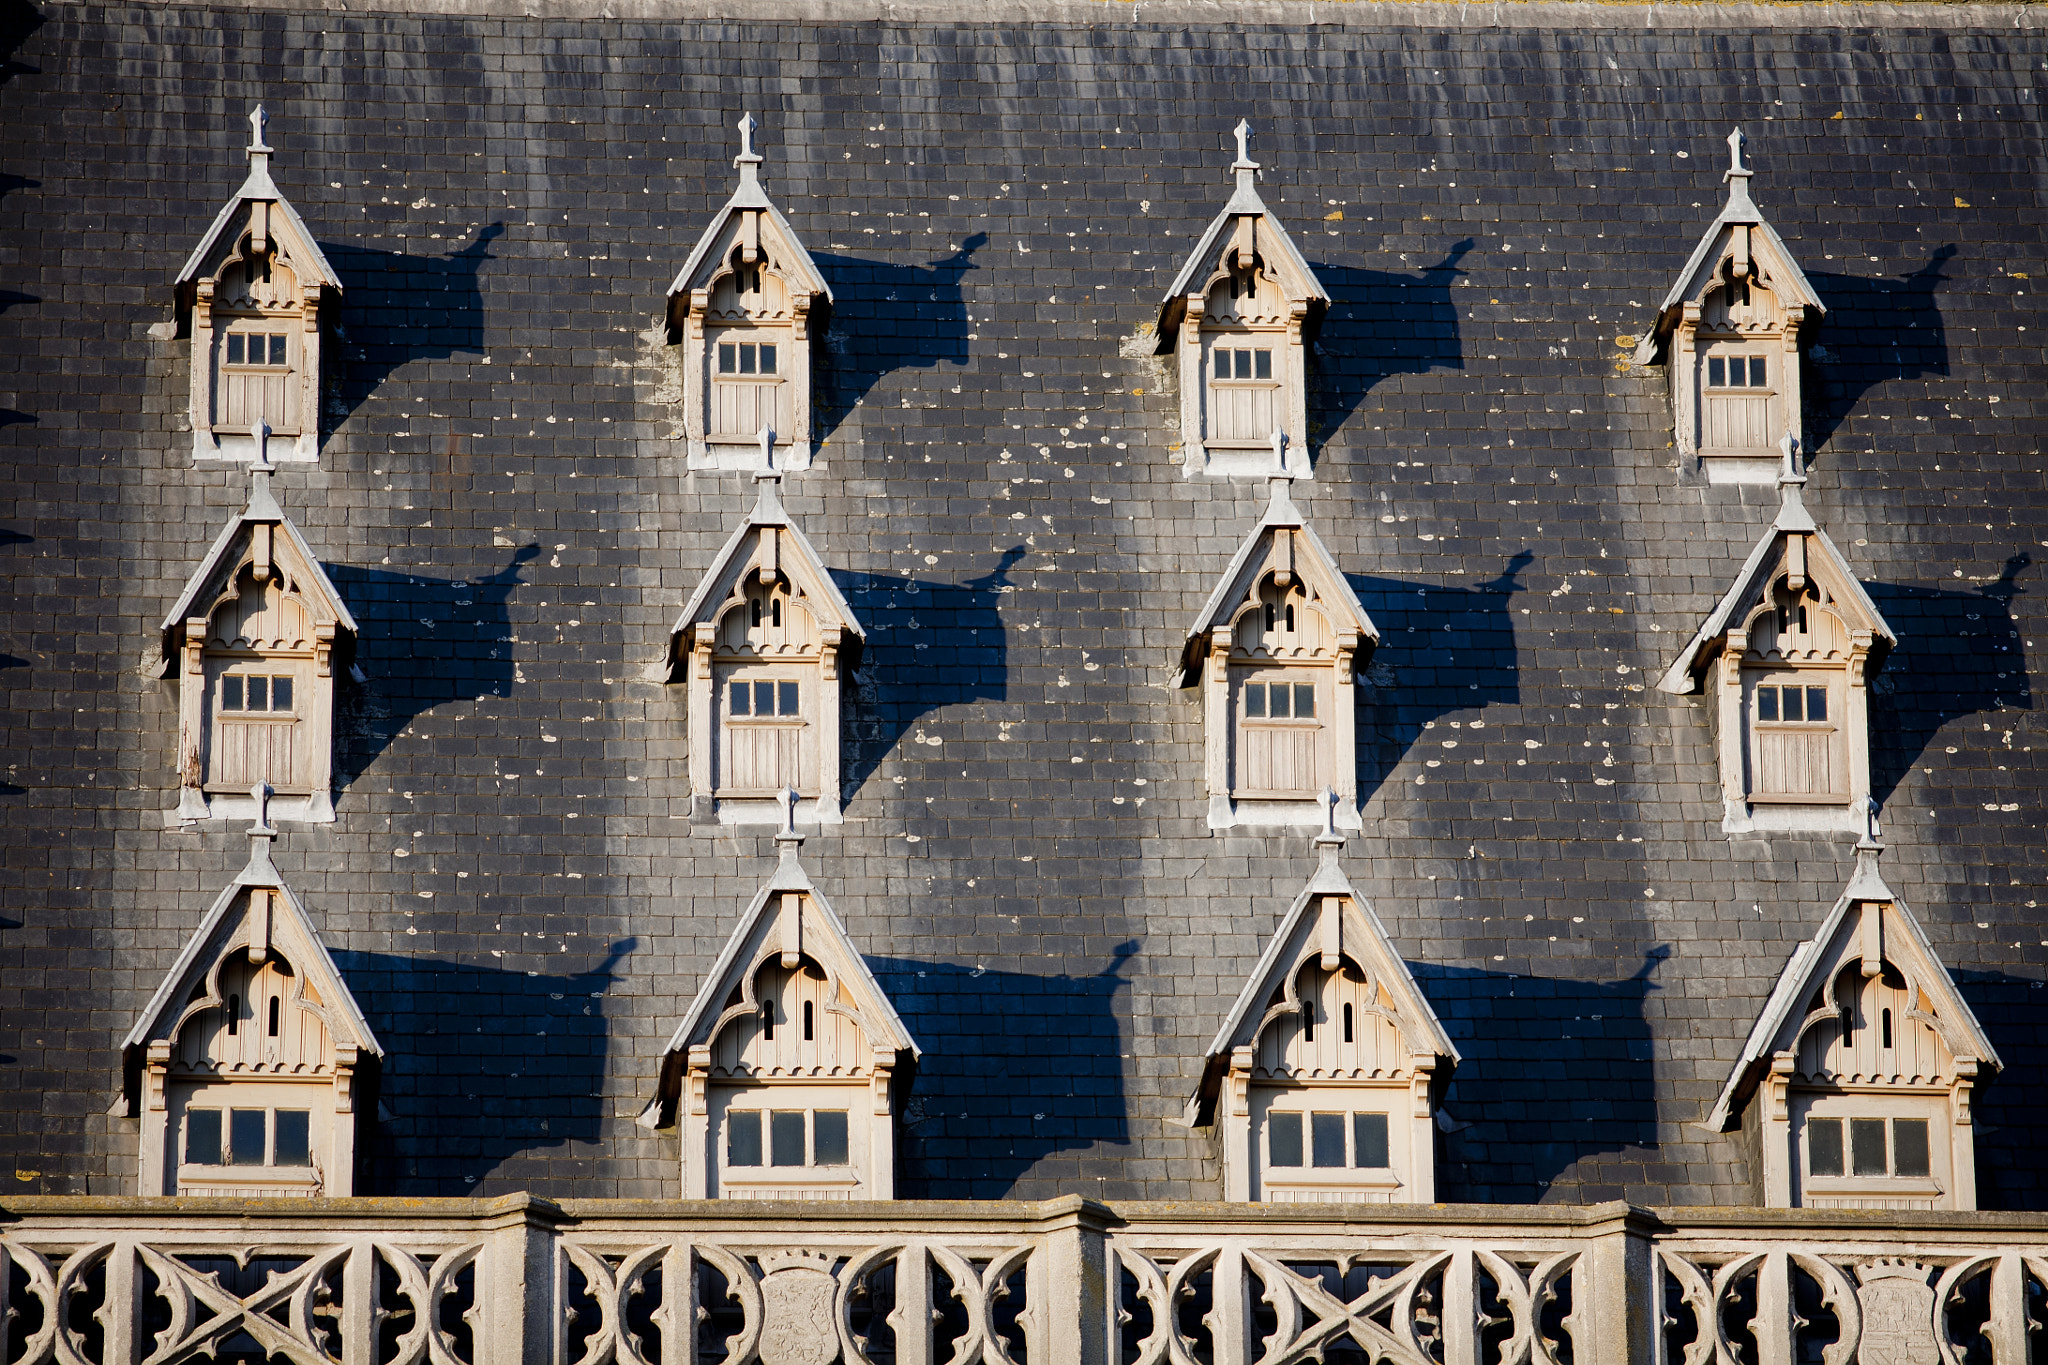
{"x": 726, "y": 359}
{"x": 1866, "y": 1147}
{"x": 767, "y": 360}
{"x": 1767, "y": 703}
{"x": 1222, "y": 364}
{"x": 1305, "y": 700}
{"x": 1326, "y": 1136}
{"x": 275, "y": 1012}
{"x": 786, "y": 1137}
{"x": 1757, "y": 373}
{"x": 230, "y": 694}
{"x": 1269, "y": 616}
{"x": 1244, "y": 364}
{"x": 235, "y": 344}
{"x": 1308, "y": 1021}
{"x": 743, "y": 1137}
{"x": 245, "y": 1136}
{"x": 1909, "y": 1147}
{"x": 764, "y": 698}
{"x": 280, "y": 694}
{"x": 775, "y": 612}
{"x": 768, "y": 1020}
{"x": 202, "y": 1137}
{"x": 293, "y": 1138}
{"x": 754, "y": 613}
{"x": 1717, "y": 373}
{"x": 740, "y": 694}
{"x": 1347, "y": 1024}
{"x": 828, "y": 1137}
{"x": 259, "y": 694}
{"x": 1816, "y": 703}
{"x": 1369, "y": 1141}
{"x": 746, "y": 360}
{"x": 809, "y": 1034}
{"x": 1823, "y": 1146}
{"x": 1255, "y": 699}
{"x": 1790, "y": 707}
{"x": 1290, "y": 618}
{"x": 1283, "y": 1139}
{"x": 1281, "y": 707}
{"x": 277, "y": 350}
{"x": 1262, "y": 367}
{"x": 786, "y": 698}
{"x": 1885, "y": 1029}
{"x": 234, "y": 1015}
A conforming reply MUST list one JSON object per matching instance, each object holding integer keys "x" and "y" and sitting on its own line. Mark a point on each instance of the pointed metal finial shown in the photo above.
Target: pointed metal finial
{"x": 257, "y": 120}
{"x": 1736, "y": 142}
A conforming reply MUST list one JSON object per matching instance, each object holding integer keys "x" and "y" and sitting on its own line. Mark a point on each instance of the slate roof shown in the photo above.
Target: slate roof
{"x": 500, "y": 499}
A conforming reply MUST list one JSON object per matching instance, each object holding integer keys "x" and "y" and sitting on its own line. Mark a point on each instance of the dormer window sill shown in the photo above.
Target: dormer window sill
{"x": 1828, "y": 801}
{"x": 1333, "y": 1181}
{"x": 1872, "y": 1187}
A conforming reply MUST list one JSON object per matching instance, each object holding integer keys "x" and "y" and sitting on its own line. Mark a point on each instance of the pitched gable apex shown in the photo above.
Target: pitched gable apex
{"x": 799, "y": 270}
{"x": 1273, "y": 243}
{"x": 1773, "y": 258}
{"x": 285, "y": 223}
{"x": 282, "y": 544}
{"x": 1305, "y": 554}
{"x": 285, "y": 929}
{"x": 769, "y": 538}
{"x": 1766, "y": 561}
{"x": 1868, "y": 921}
{"x": 789, "y": 917}
{"x": 1328, "y": 920}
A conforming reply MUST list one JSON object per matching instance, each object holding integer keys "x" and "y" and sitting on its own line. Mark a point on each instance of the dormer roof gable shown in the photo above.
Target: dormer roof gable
{"x": 285, "y": 224}
{"x": 1306, "y": 933}
{"x": 1868, "y": 918}
{"x": 233, "y": 546}
{"x": 1766, "y": 563}
{"x": 1772, "y": 258}
{"x": 287, "y": 931}
{"x": 780, "y": 242}
{"x": 1306, "y": 556}
{"x": 1275, "y": 248}
{"x": 765, "y": 933}
{"x": 793, "y": 555}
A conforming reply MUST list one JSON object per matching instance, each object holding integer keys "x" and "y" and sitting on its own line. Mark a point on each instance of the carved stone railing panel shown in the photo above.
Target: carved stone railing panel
{"x": 519, "y": 1281}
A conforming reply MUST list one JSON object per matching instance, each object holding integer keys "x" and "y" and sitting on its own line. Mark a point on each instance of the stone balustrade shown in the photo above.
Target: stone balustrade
{"x": 522, "y": 1281}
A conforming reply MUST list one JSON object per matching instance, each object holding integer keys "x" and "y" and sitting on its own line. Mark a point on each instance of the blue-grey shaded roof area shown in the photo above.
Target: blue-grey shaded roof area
{"x": 1494, "y": 203}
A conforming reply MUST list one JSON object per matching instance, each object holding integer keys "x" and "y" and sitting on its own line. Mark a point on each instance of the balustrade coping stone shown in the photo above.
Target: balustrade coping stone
{"x": 50, "y": 1213}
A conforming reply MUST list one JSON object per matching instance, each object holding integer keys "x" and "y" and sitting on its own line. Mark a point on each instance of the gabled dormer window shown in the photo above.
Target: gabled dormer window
{"x": 1732, "y": 331}
{"x": 1324, "y": 1081}
{"x": 761, "y": 649}
{"x": 256, "y": 644}
{"x": 253, "y": 298}
{"x": 249, "y": 1068}
{"x": 1274, "y": 653}
{"x": 785, "y": 1076}
{"x": 1241, "y": 316}
{"x": 1787, "y": 658}
{"x": 745, "y": 311}
{"x": 1856, "y": 1086}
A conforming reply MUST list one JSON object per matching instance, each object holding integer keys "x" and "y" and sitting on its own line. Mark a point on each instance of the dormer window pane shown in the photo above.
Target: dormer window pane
{"x": 727, "y": 359}
{"x": 1326, "y": 1133}
{"x": 1254, "y": 700}
{"x": 1824, "y": 1146}
{"x": 293, "y": 1138}
{"x": 768, "y": 360}
{"x": 1792, "y": 708}
{"x": 1717, "y": 373}
{"x": 1866, "y": 1147}
{"x": 741, "y": 695}
{"x": 246, "y": 1136}
{"x": 230, "y": 694}
{"x": 786, "y": 698}
{"x": 1816, "y": 703}
{"x": 1369, "y": 1140}
{"x": 202, "y": 1137}
{"x": 1757, "y": 373}
{"x": 743, "y": 1137}
{"x": 1283, "y": 1139}
{"x": 786, "y": 1137}
{"x": 1304, "y": 701}
{"x": 235, "y": 345}
{"x": 1909, "y": 1147}
{"x": 1262, "y": 364}
{"x": 1281, "y": 708}
{"x": 829, "y": 1137}
{"x": 259, "y": 694}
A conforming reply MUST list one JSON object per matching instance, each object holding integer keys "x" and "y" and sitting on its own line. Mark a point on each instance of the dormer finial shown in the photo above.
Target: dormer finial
{"x": 262, "y": 502}
{"x": 1244, "y": 154}
{"x": 257, "y": 146}
{"x": 787, "y": 837}
{"x": 1279, "y": 480}
{"x": 1872, "y": 842}
{"x": 1736, "y": 142}
{"x": 748, "y": 161}
{"x": 1329, "y": 840}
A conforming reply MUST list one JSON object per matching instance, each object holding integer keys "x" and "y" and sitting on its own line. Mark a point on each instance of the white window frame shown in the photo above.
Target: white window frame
{"x": 1391, "y": 1103}
{"x": 771, "y": 1181}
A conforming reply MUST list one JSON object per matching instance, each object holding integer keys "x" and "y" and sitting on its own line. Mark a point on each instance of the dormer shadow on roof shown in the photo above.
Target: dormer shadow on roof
{"x": 788, "y": 1070}
{"x": 746, "y": 309}
{"x": 1275, "y": 650}
{"x": 1325, "y": 1078}
{"x": 1732, "y": 331}
{"x": 253, "y": 297}
{"x": 1788, "y": 655}
{"x": 1240, "y": 315}
{"x": 1856, "y": 1082}
{"x": 763, "y": 647}
{"x": 256, "y": 643}
{"x": 248, "y": 1066}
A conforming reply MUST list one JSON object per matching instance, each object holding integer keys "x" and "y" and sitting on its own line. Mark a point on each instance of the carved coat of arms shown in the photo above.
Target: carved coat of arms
{"x": 1898, "y": 1314}
{"x": 796, "y": 1307}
